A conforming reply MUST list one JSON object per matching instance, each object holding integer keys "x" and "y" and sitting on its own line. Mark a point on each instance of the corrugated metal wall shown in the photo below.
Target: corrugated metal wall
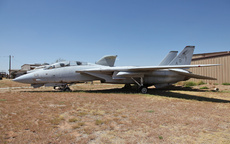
{"x": 222, "y": 73}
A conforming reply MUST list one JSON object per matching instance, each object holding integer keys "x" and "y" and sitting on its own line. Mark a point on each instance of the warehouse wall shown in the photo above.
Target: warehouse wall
{"x": 222, "y": 73}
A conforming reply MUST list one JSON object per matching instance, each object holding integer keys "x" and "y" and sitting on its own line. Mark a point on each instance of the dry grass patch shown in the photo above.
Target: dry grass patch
{"x": 73, "y": 120}
{"x": 9, "y": 83}
{"x": 44, "y": 116}
{"x": 99, "y": 122}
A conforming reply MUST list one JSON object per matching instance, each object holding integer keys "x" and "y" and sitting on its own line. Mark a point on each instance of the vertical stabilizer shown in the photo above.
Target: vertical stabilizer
{"x": 171, "y": 55}
{"x": 107, "y": 61}
{"x": 185, "y": 57}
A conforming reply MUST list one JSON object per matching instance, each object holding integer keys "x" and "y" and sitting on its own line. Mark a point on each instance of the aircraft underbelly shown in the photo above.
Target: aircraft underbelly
{"x": 149, "y": 78}
{"x": 75, "y": 77}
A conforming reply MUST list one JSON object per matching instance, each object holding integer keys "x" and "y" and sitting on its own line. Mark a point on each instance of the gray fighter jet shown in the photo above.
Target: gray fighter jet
{"x": 172, "y": 69}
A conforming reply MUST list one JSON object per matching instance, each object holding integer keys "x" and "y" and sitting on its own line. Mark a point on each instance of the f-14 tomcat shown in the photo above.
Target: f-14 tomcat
{"x": 172, "y": 69}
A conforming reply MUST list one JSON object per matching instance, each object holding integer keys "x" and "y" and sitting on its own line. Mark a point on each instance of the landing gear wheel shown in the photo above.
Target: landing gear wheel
{"x": 127, "y": 86}
{"x": 67, "y": 89}
{"x": 143, "y": 89}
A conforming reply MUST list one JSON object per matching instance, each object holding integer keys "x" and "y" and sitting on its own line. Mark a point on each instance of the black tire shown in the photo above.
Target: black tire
{"x": 143, "y": 89}
{"x": 67, "y": 89}
{"x": 127, "y": 86}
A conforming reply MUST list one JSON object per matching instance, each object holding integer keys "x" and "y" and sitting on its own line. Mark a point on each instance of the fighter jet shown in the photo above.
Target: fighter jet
{"x": 172, "y": 69}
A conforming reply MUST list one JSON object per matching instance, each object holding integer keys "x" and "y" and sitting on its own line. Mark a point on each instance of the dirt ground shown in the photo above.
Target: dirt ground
{"x": 102, "y": 113}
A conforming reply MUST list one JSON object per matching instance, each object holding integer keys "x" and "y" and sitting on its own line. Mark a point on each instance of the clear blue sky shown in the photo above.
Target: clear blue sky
{"x": 140, "y": 32}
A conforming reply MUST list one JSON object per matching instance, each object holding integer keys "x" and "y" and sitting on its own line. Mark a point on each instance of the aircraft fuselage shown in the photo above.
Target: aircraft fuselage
{"x": 68, "y": 75}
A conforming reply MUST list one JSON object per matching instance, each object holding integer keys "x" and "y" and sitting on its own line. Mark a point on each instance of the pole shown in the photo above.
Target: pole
{"x": 9, "y": 66}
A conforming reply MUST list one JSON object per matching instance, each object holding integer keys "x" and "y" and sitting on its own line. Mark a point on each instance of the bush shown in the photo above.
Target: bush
{"x": 204, "y": 87}
{"x": 189, "y": 84}
{"x": 201, "y": 83}
{"x": 225, "y": 83}
{"x": 160, "y": 137}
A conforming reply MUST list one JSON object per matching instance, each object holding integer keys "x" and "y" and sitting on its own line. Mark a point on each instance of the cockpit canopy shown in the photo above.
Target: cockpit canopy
{"x": 65, "y": 64}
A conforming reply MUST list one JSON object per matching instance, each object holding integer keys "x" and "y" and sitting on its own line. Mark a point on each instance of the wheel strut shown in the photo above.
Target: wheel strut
{"x": 143, "y": 89}
{"x": 63, "y": 88}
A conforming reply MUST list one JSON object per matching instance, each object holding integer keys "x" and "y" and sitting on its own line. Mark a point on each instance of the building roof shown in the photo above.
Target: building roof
{"x": 209, "y": 55}
{"x": 32, "y": 65}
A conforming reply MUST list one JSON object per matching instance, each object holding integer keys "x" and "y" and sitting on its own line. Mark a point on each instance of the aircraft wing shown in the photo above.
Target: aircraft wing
{"x": 142, "y": 68}
{"x": 191, "y": 75}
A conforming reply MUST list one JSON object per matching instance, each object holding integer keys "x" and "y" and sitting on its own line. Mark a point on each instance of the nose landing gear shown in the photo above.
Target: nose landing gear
{"x": 64, "y": 88}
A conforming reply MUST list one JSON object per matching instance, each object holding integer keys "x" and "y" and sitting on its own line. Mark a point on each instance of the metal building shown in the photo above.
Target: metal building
{"x": 24, "y": 68}
{"x": 222, "y": 72}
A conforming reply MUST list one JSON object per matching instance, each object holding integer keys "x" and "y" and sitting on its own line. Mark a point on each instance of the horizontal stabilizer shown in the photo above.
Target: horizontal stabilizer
{"x": 191, "y": 75}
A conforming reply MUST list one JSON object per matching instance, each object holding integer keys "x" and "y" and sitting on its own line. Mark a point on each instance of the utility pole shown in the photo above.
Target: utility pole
{"x": 9, "y": 66}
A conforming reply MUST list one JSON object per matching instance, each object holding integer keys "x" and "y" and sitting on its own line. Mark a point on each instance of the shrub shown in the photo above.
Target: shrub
{"x": 201, "y": 83}
{"x": 204, "y": 87}
{"x": 225, "y": 83}
{"x": 189, "y": 84}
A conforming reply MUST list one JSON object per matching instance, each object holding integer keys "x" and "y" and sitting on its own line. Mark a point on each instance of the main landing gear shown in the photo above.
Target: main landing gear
{"x": 142, "y": 88}
{"x": 64, "y": 88}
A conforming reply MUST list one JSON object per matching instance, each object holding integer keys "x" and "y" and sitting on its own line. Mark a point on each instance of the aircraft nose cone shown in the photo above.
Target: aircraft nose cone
{"x": 24, "y": 79}
{"x": 19, "y": 79}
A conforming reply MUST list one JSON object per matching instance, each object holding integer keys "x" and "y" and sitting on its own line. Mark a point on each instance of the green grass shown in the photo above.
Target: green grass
{"x": 204, "y": 87}
{"x": 150, "y": 111}
{"x": 225, "y": 83}
{"x": 225, "y": 91}
{"x": 160, "y": 137}
{"x": 201, "y": 83}
{"x": 2, "y": 99}
{"x": 189, "y": 84}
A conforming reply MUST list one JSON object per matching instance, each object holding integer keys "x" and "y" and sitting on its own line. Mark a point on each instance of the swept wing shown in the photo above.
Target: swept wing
{"x": 191, "y": 75}
{"x": 143, "y": 68}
